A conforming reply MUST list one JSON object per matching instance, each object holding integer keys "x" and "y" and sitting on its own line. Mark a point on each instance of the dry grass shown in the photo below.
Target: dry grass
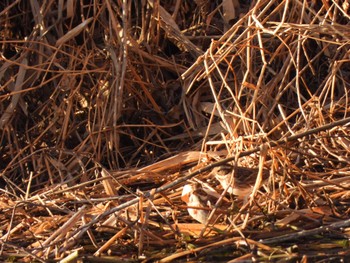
{"x": 109, "y": 107}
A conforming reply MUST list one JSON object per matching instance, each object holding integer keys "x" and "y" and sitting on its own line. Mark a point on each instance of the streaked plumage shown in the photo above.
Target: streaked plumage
{"x": 238, "y": 180}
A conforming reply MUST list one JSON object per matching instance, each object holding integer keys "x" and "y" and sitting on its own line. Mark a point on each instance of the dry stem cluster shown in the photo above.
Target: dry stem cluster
{"x": 109, "y": 107}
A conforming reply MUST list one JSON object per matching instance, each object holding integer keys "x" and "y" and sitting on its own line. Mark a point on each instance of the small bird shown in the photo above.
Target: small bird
{"x": 238, "y": 180}
{"x": 199, "y": 200}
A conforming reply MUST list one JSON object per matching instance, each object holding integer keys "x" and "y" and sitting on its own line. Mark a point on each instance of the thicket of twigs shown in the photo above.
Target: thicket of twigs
{"x": 108, "y": 108}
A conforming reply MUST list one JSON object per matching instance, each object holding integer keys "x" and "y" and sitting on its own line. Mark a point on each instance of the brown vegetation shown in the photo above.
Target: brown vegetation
{"x": 108, "y": 108}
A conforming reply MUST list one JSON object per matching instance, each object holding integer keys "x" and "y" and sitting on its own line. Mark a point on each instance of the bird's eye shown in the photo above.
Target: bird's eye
{"x": 225, "y": 169}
